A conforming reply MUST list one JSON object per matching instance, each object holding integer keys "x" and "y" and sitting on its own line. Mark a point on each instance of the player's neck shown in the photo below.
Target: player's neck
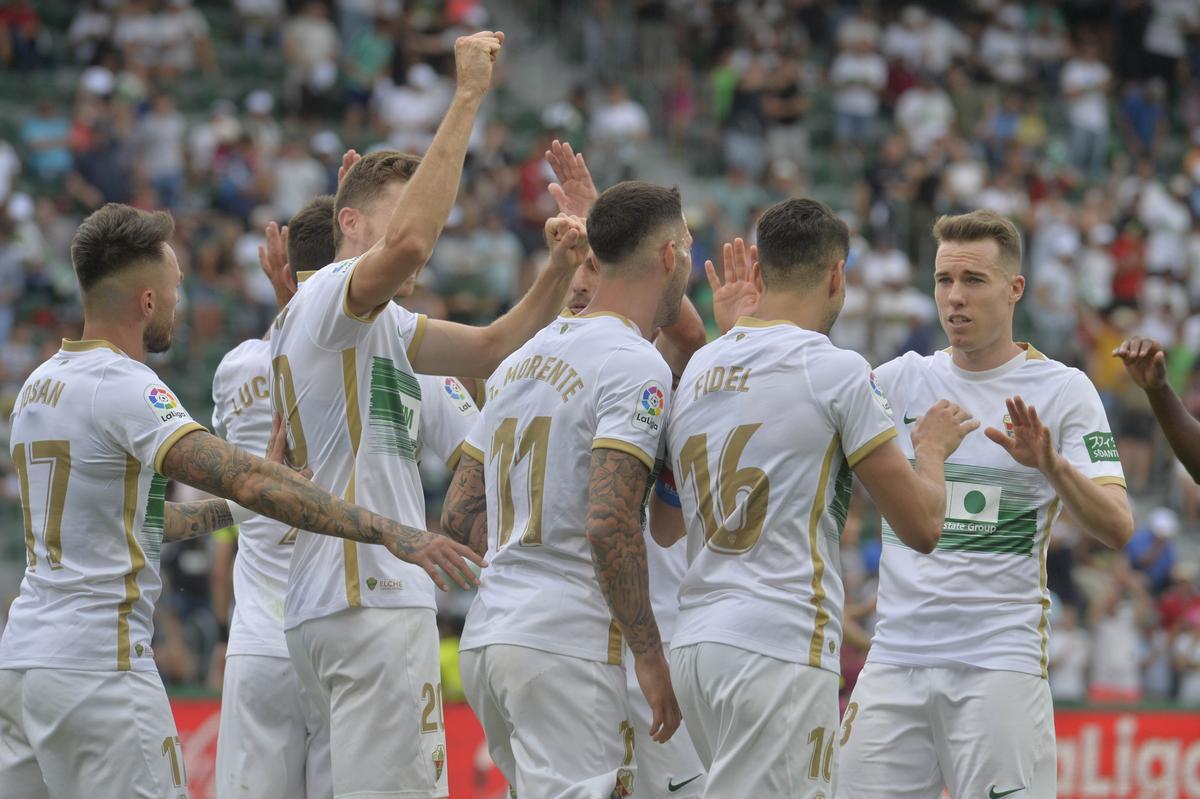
{"x": 632, "y": 302}
{"x": 993, "y": 356}
{"x": 804, "y": 311}
{"x": 124, "y": 337}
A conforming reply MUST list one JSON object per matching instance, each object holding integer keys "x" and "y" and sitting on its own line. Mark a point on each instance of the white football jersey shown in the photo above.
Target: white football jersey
{"x": 242, "y": 416}
{"x": 353, "y": 411}
{"x": 769, "y": 421}
{"x": 981, "y": 598}
{"x": 89, "y": 433}
{"x": 666, "y": 567}
{"x": 582, "y": 383}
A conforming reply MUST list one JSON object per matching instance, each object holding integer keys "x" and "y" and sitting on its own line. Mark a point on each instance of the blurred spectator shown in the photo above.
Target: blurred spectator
{"x": 90, "y": 30}
{"x": 259, "y": 20}
{"x": 183, "y": 40}
{"x": 1069, "y": 654}
{"x": 411, "y": 112}
{"x": 311, "y": 47}
{"x": 160, "y": 141}
{"x": 1166, "y": 36}
{"x": 1187, "y": 659}
{"x": 1152, "y": 548}
{"x": 298, "y": 177}
{"x": 1143, "y": 117}
{"x": 925, "y": 113}
{"x": 1085, "y": 82}
{"x": 46, "y": 140}
{"x": 1002, "y": 50}
{"x": 22, "y": 45}
{"x": 618, "y": 128}
{"x": 857, "y": 77}
{"x": 1116, "y": 613}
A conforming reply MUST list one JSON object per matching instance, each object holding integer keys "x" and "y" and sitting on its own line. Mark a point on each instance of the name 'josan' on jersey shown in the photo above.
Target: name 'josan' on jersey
{"x": 242, "y": 415}
{"x": 769, "y": 421}
{"x": 582, "y": 383}
{"x": 353, "y": 410}
{"x": 89, "y": 433}
{"x": 981, "y": 597}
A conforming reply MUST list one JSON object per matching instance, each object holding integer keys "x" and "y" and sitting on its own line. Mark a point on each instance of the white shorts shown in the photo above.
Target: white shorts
{"x": 762, "y": 727}
{"x": 557, "y": 727}
{"x": 375, "y": 678}
{"x": 93, "y": 734}
{"x": 267, "y": 748}
{"x": 909, "y": 731}
{"x": 664, "y": 771}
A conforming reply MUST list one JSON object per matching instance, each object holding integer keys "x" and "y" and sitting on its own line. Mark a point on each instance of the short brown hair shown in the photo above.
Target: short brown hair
{"x": 368, "y": 179}
{"x": 626, "y": 214}
{"x": 310, "y": 236}
{"x": 799, "y": 241}
{"x": 115, "y": 238}
{"x": 983, "y": 225}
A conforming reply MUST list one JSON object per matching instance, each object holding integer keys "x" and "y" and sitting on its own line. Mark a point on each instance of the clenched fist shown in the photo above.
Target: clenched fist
{"x": 566, "y": 238}
{"x": 474, "y": 56}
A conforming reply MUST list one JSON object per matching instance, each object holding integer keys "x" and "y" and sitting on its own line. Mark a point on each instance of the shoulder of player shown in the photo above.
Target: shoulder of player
{"x": 1053, "y": 377}
{"x": 253, "y": 350}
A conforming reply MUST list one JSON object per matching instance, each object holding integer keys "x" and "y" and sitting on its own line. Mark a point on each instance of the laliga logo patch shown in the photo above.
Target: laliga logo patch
{"x": 458, "y": 395}
{"x": 879, "y": 396}
{"x": 650, "y": 407}
{"x": 163, "y": 403}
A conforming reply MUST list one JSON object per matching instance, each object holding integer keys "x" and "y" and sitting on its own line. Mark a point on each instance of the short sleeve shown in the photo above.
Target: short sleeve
{"x": 324, "y": 312}
{"x": 447, "y": 415}
{"x": 632, "y": 397}
{"x": 860, "y": 409}
{"x": 475, "y": 444}
{"x": 1085, "y": 438}
{"x": 141, "y": 415}
{"x": 412, "y": 330}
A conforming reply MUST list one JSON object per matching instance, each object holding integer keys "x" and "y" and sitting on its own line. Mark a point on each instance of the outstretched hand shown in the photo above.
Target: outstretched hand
{"x": 575, "y": 191}
{"x": 566, "y": 238}
{"x": 274, "y": 261}
{"x": 1031, "y": 443}
{"x": 738, "y": 296}
{"x": 349, "y": 159}
{"x": 1145, "y": 360}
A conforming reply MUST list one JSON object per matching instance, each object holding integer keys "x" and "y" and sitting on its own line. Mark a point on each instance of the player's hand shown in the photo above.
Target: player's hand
{"x": 738, "y": 296}
{"x": 654, "y": 678}
{"x": 349, "y": 159}
{"x": 566, "y": 238}
{"x": 273, "y": 259}
{"x": 575, "y": 191}
{"x": 277, "y": 447}
{"x": 474, "y": 57}
{"x": 1031, "y": 443}
{"x": 437, "y": 554}
{"x": 943, "y": 427}
{"x": 1145, "y": 360}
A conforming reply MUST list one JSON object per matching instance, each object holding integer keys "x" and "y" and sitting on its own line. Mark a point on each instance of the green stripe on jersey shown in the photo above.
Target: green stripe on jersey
{"x": 395, "y": 398}
{"x": 151, "y": 534}
{"x": 987, "y": 510}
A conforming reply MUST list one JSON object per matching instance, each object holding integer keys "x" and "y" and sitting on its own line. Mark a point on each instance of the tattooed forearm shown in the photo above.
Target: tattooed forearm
{"x": 191, "y": 519}
{"x": 206, "y": 462}
{"x": 464, "y": 513}
{"x": 616, "y": 491}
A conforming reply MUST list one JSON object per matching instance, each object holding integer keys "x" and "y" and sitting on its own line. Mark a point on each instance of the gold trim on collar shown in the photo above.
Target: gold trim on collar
{"x": 750, "y": 321}
{"x": 596, "y": 314}
{"x": 305, "y": 275}
{"x": 70, "y": 345}
{"x": 1031, "y": 352}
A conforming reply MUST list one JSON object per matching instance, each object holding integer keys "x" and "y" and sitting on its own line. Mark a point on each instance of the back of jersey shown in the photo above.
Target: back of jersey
{"x": 768, "y": 422}
{"x": 89, "y": 434}
{"x": 582, "y": 383}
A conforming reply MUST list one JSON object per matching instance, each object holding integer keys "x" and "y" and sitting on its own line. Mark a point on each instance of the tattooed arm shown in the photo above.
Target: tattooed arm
{"x": 204, "y": 461}
{"x": 464, "y": 513}
{"x": 616, "y": 490}
{"x": 183, "y": 520}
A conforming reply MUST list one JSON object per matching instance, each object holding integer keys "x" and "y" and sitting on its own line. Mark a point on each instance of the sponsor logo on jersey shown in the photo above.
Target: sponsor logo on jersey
{"x": 909, "y": 419}
{"x": 163, "y": 403}
{"x": 1101, "y": 447}
{"x": 880, "y": 397}
{"x": 458, "y": 395}
{"x": 650, "y": 408}
{"x": 972, "y": 507}
{"x": 673, "y": 786}
{"x": 384, "y": 585}
{"x": 439, "y": 761}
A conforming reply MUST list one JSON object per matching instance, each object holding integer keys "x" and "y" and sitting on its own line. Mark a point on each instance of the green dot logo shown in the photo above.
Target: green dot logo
{"x": 371, "y": 583}
{"x": 974, "y": 502}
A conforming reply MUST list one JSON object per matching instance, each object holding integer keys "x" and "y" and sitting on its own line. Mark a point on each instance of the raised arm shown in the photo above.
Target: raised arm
{"x": 418, "y": 218}
{"x": 913, "y": 499}
{"x": 449, "y": 348}
{"x": 616, "y": 489}
{"x": 204, "y": 461}
{"x": 1146, "y": 362}
{"x": 464, "y": 513}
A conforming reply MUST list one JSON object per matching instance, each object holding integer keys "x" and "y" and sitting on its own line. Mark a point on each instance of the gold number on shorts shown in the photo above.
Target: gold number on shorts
{"x": 627, "y": 736}
{"x": 58, "y": 455}
{"x": 851, "y": 712}
{"x": 748, "y": 484}
{"x": 821, "y": 764}
{"x": 171, "y": 748}
{"x": 431, "y": 695}
{"x": 283, "y": 399}
{"x": 535, "y": 442}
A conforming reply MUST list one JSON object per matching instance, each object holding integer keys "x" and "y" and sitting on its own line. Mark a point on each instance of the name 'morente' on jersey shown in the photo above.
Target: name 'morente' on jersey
{"x": 582, "y": 383}
{"x": 89, "y": 432}
{"x": 769, "y": 421}
{"x": 353, "y": 410}
{"x": 981, "y": 597}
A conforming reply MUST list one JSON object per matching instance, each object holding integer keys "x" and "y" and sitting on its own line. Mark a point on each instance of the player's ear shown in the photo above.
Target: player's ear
{"x": 837, "y": 278}
{"x": 756, "y": 277}
{"x": 347, "y": 220}
{"x": 668, "y": 257}
{"x": 1017, "y": 287}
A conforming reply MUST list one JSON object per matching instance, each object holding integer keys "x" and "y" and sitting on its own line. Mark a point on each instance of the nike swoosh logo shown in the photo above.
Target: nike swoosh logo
{"x": 672, "y": 787}
{"x": 994, "y": 794}
{"x": 909, "y": 420}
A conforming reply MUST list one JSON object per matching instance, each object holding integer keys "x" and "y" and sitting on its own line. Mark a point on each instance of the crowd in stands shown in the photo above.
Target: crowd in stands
{"x": 1079, "y": 120}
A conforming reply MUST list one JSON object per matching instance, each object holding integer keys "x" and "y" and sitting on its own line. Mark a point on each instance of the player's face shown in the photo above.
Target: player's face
{"x": 583, "y": 285}
{"x": 677, "y": 280}
{"x": 160, "y": 328}
{"x": 975, "y": 297}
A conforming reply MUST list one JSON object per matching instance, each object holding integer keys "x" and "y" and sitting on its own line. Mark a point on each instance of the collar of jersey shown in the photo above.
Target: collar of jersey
{"x": 750, "y": 321}
{"x": 305, "y": 275}
{"x": 597, "y": 314}
{"x": 70, "y": 345}
{"x": 1017, "y": 361}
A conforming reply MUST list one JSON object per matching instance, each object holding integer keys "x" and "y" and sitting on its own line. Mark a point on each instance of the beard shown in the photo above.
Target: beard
{"x": 668, "y": 309}
{"x": 158, "y": 335}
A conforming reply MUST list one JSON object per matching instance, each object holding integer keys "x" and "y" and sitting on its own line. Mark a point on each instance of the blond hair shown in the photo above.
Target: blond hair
{"x": 983, "y": 225}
